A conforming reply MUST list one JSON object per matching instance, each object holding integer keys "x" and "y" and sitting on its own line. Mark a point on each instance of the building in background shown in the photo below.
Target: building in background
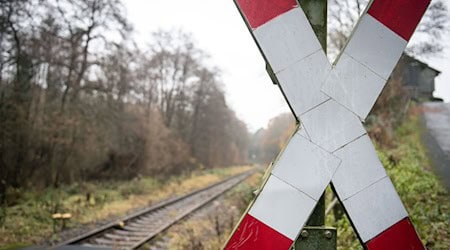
{"x": 418, "y": 78}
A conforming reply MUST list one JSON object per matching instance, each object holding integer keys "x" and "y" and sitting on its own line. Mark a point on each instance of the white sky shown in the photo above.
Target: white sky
{"x": 220, "y": 31}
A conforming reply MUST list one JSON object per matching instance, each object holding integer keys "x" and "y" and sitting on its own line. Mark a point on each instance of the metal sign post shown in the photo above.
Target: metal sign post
{"x": 331, "y": 144}
{"x": 315, "y": 235}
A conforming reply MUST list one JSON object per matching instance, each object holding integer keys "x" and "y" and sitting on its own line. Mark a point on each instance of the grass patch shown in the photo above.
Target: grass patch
{"x": 29, "y": 221}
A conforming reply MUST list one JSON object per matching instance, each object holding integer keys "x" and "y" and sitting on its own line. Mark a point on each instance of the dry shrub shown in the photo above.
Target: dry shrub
{"x": 389, "y": 110}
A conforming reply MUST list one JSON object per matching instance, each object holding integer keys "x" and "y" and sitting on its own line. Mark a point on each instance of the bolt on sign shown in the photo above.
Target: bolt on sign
{"x": 331, "y": 145}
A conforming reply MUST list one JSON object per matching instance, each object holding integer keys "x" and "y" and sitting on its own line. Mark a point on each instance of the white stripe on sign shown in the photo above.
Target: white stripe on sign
{"x": 332, "y": 126}
{"x": 375, "y": 209}
{"x": 353, "y": 85}
{"x": 306, "y": 166}
{"x": 286, "y": 39}
{"x": 282, "y": 207}
{"x": 375, "y": 46}
{"x": 302, "y": 81}
{"x": 360, "y": 164}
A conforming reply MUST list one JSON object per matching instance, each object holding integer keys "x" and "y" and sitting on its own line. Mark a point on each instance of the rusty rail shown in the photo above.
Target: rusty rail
{"x": 138, "y": 228}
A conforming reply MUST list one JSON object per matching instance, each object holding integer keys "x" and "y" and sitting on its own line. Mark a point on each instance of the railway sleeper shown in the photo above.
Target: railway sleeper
{"x": 140, "y": 223}
{"x": 113, "y": 243}
{"x": 131, "y": 233}
{"x": 124, "y": 238}
{"x": 137, "y": 229}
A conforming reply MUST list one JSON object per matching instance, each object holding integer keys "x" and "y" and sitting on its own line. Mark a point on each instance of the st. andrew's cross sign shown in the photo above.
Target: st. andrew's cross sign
{"x": 331, "y": 145}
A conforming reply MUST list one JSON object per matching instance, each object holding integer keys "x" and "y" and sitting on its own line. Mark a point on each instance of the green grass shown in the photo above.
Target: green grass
{"x": 424, "y": 197}
{"x": 29, "y": 221}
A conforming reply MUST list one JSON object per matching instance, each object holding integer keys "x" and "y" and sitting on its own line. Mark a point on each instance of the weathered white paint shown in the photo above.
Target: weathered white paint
{"x": 282, "y": 207}
{"x": 286, "y": 39}
{"x": 302, "y": 81}
{"x": 302, "y": 131}
{"x": 306, "y": 166}
{"x": 353, "y": 85}
{"x": 332, "y": 126}
{"x": 375, "y": 46}
{"x": 375, "y": 209}
{"x": 359, "y": 169}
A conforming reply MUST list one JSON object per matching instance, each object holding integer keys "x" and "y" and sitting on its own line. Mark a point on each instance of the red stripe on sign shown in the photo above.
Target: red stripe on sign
{"x": 401, "y": 236}
{"x": 400, "y": 16}
{"x": 253, "y": 234}
{"x": 259, "y": 12}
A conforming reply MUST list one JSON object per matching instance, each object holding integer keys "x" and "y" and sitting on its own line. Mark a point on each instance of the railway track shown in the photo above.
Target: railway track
{"x": 136, "y": 229}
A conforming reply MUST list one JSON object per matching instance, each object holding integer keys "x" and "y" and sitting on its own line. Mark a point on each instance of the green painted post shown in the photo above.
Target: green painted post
{"x": 315, "y": 236}
{"x": 316, "y": 12}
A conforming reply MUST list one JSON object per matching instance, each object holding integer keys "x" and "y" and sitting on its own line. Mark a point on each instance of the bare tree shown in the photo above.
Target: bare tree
{"x": 429, "y": 33}
{"x": 343, "y": 15}
{"x": 174, "y": 62}
{"x": 85, "y": 24}
{"x": 79, "y": 101}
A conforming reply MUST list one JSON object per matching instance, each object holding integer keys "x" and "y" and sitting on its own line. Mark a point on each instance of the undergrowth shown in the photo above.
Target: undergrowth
{"x": 30, "y": 221}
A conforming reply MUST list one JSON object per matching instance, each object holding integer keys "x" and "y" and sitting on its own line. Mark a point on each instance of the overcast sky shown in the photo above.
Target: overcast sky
{"x": 220, "y": 31}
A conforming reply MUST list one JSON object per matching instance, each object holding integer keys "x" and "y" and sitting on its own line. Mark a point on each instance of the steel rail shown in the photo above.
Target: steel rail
{"x": 147, "y": 233}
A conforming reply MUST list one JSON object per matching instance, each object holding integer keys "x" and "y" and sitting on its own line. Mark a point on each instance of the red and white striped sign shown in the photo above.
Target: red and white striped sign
{"x": 332, "y": 145}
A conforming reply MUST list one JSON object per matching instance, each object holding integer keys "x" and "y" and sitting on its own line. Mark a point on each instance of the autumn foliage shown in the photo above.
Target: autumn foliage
{"x": 79, "y": 100}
